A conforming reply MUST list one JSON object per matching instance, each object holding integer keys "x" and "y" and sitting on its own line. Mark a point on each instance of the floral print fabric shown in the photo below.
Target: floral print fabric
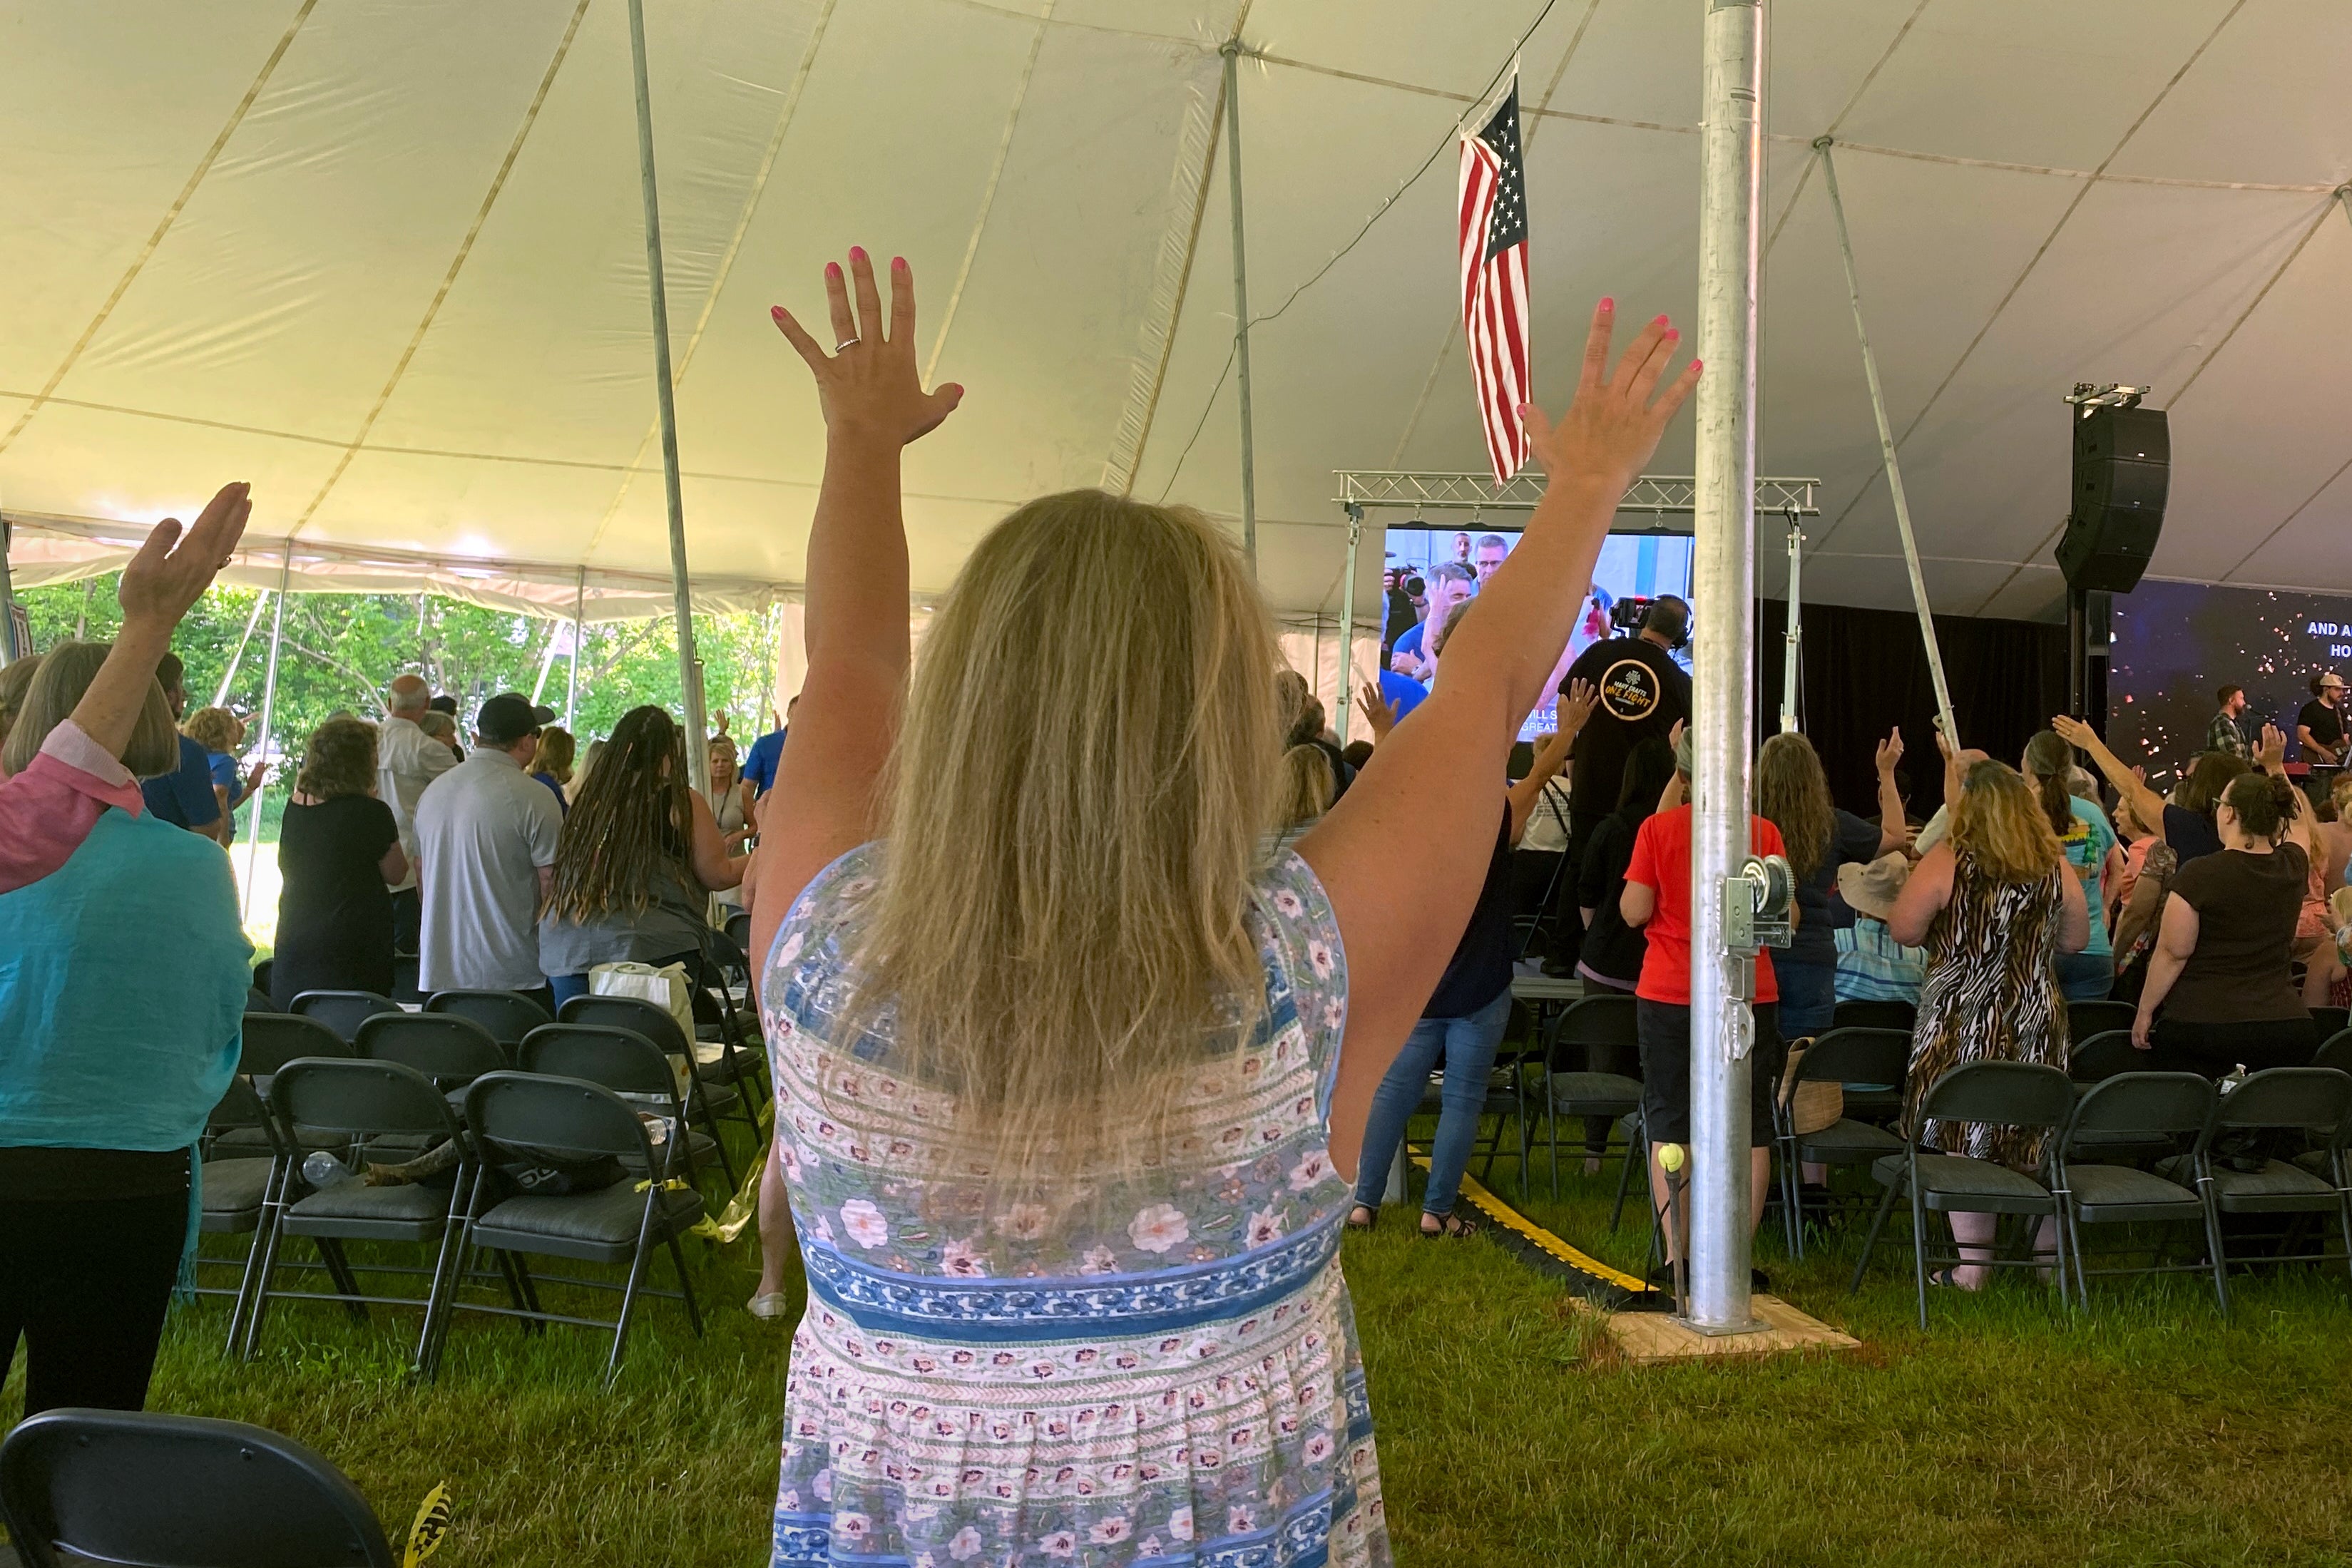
{"x": 1144, "y": 1371}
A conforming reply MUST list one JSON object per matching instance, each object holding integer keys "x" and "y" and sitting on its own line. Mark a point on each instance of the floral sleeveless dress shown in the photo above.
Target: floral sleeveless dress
{"x": 1160, "y": 1371}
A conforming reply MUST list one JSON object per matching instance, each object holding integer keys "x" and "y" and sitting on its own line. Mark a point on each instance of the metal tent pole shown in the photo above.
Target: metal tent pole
{"x": 1232, "y": 52}
{"x": 1721, "y": 1028}
{"x": 1793, "y": 637}
{"x": 268, "y": 718}
{"x": 578, "y": 630}
{"x": 698, "y": 755}
{"x": 220, "y": 696}
{"x": 9, "y": 652}
{"x": 1347, "y": 623}
{"x": 1886, "y": 451}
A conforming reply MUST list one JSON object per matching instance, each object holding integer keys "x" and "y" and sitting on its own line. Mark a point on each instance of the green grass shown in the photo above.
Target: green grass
{"x": 1511, "y": 1434}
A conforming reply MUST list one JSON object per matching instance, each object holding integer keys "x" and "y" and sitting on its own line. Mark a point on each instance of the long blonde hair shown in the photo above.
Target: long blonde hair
{"x": 2001, "y": 822}
{"x": 1086, "y": 762}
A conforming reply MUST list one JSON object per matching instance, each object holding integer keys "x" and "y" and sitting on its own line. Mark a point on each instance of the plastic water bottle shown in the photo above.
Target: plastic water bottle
{"x": 322, "y": 1171}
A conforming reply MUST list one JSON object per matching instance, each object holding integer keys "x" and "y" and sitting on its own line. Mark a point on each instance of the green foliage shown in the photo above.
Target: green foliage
{"x": 340, "y": 650}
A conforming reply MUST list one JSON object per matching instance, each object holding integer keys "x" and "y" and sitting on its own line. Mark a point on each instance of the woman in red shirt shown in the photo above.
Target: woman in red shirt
{"x": 1657, "y": 898}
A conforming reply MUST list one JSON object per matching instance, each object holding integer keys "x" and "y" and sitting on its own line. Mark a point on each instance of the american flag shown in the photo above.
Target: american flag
{"x": 1495, "y": 276}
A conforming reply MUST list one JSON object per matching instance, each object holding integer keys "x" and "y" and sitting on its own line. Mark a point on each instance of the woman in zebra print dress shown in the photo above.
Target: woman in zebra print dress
{"x": 1993, "y": 904}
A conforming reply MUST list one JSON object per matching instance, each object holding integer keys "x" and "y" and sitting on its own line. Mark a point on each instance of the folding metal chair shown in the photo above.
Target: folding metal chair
{"x": 531, "y": 1120}
{"x": 631, "y": 1066}
{"x": 360, "y": 1102}
{"x": 2128, "y": 1111}
{"x": 2009, "y": 1094}
{"x": 448, "y": 1048}
{"x": 343, "y": 1011}
{"x": 240, "y": 1191}
{"x": 1591, "y": 1030}
{"x": 508, "y": 1015}
{"x": 1861, "y": 1061}
{"x": 178, "y": 1491}
{"x": 2098, "y": 1056}
{"x": 2315, "y": 1100}
{"x": 273, "y": 1039}
{"x": 704, "y": 1100}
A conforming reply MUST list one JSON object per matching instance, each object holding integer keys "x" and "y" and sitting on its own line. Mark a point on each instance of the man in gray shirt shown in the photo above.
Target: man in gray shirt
{"x": 485, "y": 832}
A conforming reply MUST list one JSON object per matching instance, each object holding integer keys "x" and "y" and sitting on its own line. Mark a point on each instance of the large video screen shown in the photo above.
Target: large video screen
{"x": 1632, "y": 570}
{"x": 2178, "y": 644}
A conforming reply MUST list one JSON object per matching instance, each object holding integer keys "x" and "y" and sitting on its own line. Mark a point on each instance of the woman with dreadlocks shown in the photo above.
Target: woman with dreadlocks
{"x": 640, "y": 856}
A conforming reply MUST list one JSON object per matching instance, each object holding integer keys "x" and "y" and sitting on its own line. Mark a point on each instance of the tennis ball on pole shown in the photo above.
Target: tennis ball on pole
{"x": 1670, "y": 1157}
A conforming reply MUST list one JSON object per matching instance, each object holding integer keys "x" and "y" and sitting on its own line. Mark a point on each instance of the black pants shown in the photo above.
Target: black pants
{"x": 1665, "y": 1034}
{"x": 86, "y": 1283}
{"x": 1567, "y": 918}
{"x": 2216, "y": 1049}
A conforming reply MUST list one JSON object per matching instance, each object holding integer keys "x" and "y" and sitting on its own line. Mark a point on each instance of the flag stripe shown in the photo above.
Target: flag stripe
{"x": 1495, "y": 316}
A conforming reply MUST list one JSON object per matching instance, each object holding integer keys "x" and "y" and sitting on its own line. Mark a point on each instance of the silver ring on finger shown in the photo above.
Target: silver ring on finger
{"x": 845, "y": 343}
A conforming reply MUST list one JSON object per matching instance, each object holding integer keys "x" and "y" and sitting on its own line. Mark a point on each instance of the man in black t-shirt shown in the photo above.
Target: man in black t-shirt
{"x": 1644, "y": 693}
{"x": 2320, "y": 726}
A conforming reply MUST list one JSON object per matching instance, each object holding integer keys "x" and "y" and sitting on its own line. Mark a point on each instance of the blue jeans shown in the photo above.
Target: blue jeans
{"x": 2085, "y": 976}
{"x": 1468, "y": 1046}
{"x": 1808, "y": 996}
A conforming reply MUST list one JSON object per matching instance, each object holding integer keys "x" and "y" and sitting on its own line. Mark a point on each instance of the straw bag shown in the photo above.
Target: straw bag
{"x": 1819, "y": 1104}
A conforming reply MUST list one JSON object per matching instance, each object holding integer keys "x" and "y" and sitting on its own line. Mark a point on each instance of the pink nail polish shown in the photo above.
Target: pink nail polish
{"x": 1607, "y": 303}
{"x": 833, "y": 271}
{"x": 1698, "y": 364}
{"x": 777, "y": 311}
{"x": 858, "y": 253}
{"x": 1659, "y": 323}
{"x": 1672, "y": 335}
{"x": 898, "y": 264}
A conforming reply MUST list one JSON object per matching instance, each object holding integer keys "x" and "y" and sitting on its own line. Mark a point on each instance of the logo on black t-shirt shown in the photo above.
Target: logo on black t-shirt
{"x": 1630, "y": 691}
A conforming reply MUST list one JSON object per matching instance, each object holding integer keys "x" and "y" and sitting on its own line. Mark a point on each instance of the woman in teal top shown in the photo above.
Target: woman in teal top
{"x": 2093, "y": 853}
{"x": 123, "y": 981}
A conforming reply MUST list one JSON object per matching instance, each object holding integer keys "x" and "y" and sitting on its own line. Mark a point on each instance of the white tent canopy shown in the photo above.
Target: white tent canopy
{"x": 385, "y": 261}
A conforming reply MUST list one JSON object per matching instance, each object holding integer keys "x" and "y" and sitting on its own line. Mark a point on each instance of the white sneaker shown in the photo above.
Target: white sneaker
{"x": 773, "y": 1304}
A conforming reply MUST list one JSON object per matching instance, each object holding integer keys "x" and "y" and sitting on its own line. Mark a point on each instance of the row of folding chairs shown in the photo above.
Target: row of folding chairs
{"x": 2133, "y": 1148}
{"x": 571, "y": 1093}
{"x": 729, "y": 1077}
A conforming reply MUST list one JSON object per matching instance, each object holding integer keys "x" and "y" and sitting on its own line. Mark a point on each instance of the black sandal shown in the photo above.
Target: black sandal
{"x": 1372, "y": 1217}
{"x": 1449, "y": 1227}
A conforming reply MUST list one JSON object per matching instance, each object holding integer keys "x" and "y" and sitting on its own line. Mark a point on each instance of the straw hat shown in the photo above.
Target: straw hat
{"x": 1872, "y": 889}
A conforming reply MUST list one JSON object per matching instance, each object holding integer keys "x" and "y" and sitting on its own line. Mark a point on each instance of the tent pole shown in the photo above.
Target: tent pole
{"x": 1232, "y": 51}
{"x": 269, "y": 717}
{"x": 9, "y": 652}
{"x": 579, "y": 629}
{"x": 1793, "y": 637}
{"x": 1348, "y": 623}
{"x": 220, "y": 697}
{"x": 1721, "y": 1027}
{"x": 1886, "y": 452}
{"x": 698, "y": 755}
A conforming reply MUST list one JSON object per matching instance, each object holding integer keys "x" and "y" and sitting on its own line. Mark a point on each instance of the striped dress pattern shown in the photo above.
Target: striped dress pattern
{"x": 1989, "y": 995}
{"x": 1142, "y": 1370}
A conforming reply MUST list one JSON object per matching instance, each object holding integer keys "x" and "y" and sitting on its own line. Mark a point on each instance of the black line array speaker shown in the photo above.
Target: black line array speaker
{"x": 2122, "y": 463}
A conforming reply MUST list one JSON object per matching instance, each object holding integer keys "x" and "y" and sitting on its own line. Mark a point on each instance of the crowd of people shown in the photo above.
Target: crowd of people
{"x": 1097, "y": 996}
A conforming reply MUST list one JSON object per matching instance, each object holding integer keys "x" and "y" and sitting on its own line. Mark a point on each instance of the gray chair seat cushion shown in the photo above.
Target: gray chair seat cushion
{"x": 595, "y": 1225}
{"x": 232, "y": 1192}
{"x": 2277, "y": 1187}
{"x": 1847, "y": 1141}
{"x": 353, "y": 1210}
{"x": 2121, "y": 1192}
{"x": 1955, "y": 1181}
{"x": 1594, "y": 1094}
{"x": 2316, "y": 1162}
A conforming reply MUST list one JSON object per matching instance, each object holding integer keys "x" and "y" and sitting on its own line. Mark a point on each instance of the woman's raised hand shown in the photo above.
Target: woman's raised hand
{"x": 868, "y": 384}
{"x": 1613, "y": 425}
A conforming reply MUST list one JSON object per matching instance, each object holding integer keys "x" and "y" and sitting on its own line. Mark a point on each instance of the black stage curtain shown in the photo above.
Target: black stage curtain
{"x": 1864, "y": 670}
